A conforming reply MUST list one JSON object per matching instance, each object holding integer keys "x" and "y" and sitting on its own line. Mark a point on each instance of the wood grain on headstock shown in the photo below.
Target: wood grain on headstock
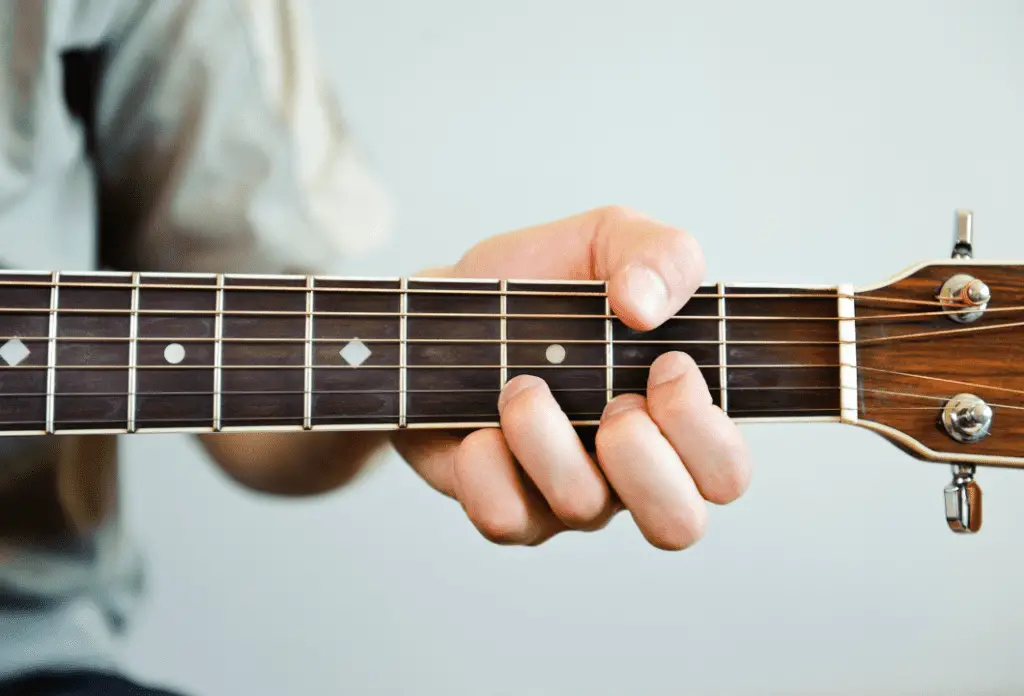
{"x": 978, "y": 358}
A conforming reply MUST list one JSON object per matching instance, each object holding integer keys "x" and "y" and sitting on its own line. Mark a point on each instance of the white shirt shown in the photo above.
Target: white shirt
{"x": 218, "y": 148}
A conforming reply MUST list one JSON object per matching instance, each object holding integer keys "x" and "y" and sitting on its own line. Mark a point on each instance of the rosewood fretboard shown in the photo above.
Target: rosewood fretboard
{"x": 140, "y": 352}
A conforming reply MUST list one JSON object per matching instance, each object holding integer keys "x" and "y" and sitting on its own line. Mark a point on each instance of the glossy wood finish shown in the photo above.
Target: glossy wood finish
{"x": 980, "y": 358}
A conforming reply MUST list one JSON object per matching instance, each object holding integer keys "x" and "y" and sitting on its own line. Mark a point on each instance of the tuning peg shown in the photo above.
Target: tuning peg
{"x": 963, "y": 501}
{"x": 963, "y": 245}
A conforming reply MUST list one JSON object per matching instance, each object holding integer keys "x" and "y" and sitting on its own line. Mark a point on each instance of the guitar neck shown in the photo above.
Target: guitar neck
{"x": 123, "y": 353}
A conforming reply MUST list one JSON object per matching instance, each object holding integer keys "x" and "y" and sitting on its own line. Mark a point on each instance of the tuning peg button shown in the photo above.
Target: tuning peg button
{"x": 963, "y": 245}
{"x": 967, "y": 418}
{"x": 963, "y": 501}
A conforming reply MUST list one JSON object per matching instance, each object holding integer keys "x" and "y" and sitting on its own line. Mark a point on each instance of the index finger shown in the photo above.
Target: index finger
{"x": 652, "y": 268}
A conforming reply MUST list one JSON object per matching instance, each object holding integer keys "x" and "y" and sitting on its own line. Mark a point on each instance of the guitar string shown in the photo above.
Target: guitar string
{"x": 457, "y": 290}
{"x": 495, "y": 341}
{"x": 554, "y": 390}
{"x": 364, "y": 366}
{"x": 912, "y": 376}
{"x": 284, "y": 313}
{"x": 453, "y": 418}
{"x": 480, "y": 391}
{"x": 859, "y": 341}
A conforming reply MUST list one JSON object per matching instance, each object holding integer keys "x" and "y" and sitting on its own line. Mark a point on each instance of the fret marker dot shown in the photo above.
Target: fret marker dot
{"x": 13, "y": 352}
{"x": 555, "y": 354}
{"x": 354, "y": 353}
{"x": 174, "y": 353}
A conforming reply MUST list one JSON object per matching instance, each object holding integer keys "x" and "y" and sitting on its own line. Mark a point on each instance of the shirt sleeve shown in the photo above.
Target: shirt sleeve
{"x": 220, "y": 147}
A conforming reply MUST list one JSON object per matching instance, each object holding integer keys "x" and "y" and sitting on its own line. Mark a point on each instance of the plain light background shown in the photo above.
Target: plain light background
{"x": 804, "y": 142}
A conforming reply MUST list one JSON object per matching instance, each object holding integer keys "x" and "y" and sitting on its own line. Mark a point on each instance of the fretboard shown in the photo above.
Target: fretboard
{"x": 121, "y": 352}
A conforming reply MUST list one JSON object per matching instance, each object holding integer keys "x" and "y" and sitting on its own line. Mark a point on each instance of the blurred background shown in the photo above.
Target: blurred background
{"x": 801, "y": 141}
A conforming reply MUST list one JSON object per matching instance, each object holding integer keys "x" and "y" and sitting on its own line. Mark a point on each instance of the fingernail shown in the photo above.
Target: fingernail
{"x": 665, "y": 369}
{"x": 647, "y": 292}
{"x": 621, "y": 404}
{"x": 517, "y": 385}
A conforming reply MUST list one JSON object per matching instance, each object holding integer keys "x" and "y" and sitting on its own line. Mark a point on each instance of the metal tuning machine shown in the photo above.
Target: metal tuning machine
{"x": 963, "y": 501}
{"x": 966, "y": 417}
{"x": 965, "y": 296}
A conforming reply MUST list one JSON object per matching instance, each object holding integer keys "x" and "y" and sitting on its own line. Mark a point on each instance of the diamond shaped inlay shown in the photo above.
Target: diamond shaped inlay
{"x": 355, "y": 353}
{"x": 13, "y": 352}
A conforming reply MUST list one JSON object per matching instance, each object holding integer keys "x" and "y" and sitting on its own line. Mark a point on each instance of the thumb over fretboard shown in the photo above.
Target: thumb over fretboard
{"x": 140, "y": 352}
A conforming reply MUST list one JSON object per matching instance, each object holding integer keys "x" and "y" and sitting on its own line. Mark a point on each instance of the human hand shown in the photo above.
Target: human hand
{"x": 662, "y": 457}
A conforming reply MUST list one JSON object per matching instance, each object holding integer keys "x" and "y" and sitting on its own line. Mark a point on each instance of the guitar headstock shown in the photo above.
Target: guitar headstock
{"x": 940, "y": 365}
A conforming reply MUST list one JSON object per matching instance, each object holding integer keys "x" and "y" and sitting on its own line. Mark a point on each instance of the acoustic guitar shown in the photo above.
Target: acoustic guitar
{"x": 930, "y": 360}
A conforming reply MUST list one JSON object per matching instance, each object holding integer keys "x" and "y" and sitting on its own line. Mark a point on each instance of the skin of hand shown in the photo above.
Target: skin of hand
{"x": 662, "y": 457}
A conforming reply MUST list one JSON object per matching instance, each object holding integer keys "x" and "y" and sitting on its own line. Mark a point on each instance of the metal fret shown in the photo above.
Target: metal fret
{"x": 503, "y": 308}
{"x": 403, "y": 367}
{"x": 51, "y": 354}
{"x": 723, "y": 379}
{"x": 847, "y": 355}
{"x": 307, "y": 397}
{"x": 609, "y": 354}
{"x": 218, "y": 334}
{"x": 133, "y": 352}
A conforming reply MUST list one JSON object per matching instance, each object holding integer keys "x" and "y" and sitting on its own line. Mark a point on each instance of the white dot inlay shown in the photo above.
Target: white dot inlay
{"x": 13, "y": 352}
{"x": 555, "y": 354}
{"x": 354, "y": 353}
{"x": 174, "y": 353}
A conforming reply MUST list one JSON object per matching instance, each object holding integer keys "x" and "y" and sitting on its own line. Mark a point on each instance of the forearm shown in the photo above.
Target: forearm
{"x": 293, "y": 464}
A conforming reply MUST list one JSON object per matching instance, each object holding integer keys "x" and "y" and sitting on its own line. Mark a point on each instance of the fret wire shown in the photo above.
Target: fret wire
{"x": 723, "y": 377}
{"x": 218, "y": 354}
{"x": 402, "y": 353}
{"x": 133, "y": 349}
{"x": 51, "y": 353}
{"x": 503, "y": 307}
{"x": 609, "y": 351}
{"x": 307, "y": 401}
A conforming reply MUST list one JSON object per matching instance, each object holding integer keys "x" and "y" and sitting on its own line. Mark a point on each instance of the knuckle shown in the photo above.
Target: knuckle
{"x": 679, "y": 529}
{"x": 686, "y": 255}
{"x": 731, "y": 478}
{"x": 670, "y": 410}
{"x": 523, "y": 408}
{"x": 582, "y": 506}
{"x": 612, "y": 214}
{"x": 503, "y": 524}
{"x": 670, "y": 402}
